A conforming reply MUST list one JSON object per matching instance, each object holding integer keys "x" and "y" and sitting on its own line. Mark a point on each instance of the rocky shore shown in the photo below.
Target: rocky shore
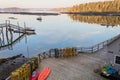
{"x": 10, "y": 64}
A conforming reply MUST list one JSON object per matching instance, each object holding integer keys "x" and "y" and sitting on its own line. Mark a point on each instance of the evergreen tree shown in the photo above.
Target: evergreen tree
{"x": 106, "y": 6}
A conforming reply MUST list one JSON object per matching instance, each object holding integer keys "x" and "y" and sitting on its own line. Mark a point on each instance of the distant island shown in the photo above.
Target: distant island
{"x": 28, "y": 11}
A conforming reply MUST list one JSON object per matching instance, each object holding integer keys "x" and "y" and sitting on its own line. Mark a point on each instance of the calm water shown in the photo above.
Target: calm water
{"x": 57, "y": 32}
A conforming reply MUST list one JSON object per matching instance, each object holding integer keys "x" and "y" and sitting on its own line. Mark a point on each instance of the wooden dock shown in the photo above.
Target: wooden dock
{"x": 17, "y": 27}
{"x": 7, "y": 30}
{"x": 80, "y": 67}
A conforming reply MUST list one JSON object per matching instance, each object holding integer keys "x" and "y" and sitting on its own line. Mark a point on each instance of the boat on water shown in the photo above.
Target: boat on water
{"x": 39, "y": 18}
{"x": 12, "y": 18}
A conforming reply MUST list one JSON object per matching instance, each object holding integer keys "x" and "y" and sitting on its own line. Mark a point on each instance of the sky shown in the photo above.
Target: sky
{"x": 42, "y": 3}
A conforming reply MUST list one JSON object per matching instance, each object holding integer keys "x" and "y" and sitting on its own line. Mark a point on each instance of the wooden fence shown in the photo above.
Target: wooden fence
{"x": 97, "y": 47}
{"x": 68, "y": 52}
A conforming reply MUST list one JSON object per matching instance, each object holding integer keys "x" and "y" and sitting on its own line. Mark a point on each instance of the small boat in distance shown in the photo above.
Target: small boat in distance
{"x": 39, "y": 18}
{"x": 12, "y": 18}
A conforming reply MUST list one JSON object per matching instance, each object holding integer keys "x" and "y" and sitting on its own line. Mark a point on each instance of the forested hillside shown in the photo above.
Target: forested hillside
{"x": 106, "y": 6}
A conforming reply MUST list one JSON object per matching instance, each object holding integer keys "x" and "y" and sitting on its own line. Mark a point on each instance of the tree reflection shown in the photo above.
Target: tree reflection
{"x": 102, "y": 20}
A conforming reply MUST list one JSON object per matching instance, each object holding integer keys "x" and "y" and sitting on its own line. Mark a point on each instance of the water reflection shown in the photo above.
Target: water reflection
{"x": 8, "y": 38}
{"x": 102, "y": 20}
{"x": 11, "y": 34}
{"x": 55, "y": 32}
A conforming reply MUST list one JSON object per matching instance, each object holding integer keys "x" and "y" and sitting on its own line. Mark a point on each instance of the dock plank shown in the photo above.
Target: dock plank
{"x": 80, "y": 67}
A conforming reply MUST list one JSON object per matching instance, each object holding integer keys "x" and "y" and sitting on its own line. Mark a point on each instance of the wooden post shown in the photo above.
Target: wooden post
{"x": 49, "y": 53}
{"x": 18, "y": 28}
{"x": 81, "y": 49}
{"x": 39, "y": 57}
{"x": 24, "y": 27}
{"x": 91, "y": 49}
{"x": 44, "y": 55}
{"x": 6, "y": 23}
{"x": 25, "y": 32}
{"x": 7, "y": 33}
{"x": 98, "y": 47}
{"x": 107, "y": 42}
{"x": 28, "y": 52}
{"x": 3, "y": 36}
{"x": 10, "y": 30}
{"x": 102, "y": 44}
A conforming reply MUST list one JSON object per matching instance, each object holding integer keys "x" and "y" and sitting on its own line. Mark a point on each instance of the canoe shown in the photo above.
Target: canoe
{"x": 44, "y": 73}
{"x": 34, "y": 75}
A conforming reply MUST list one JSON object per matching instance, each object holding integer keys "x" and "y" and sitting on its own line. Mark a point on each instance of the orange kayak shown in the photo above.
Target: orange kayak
{"x": 44, "y": 73}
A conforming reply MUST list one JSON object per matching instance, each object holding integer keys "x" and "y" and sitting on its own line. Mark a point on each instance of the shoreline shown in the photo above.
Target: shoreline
{"x": 81, "y": 13}
{"x": 10, "y": 64}
{"x": 3, "y": 60}
{"x": 30, "y": 13}
{"x": 94, "y": 13}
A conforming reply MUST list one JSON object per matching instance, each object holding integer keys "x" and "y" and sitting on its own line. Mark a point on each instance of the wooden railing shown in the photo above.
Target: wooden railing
{"x": 62, "y": 51}
{"x": 97, "y": 47}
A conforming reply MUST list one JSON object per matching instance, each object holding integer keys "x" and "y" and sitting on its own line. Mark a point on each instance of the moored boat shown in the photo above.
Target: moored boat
{"x": 39, "y": 18}
{"x": 12, "y": 18}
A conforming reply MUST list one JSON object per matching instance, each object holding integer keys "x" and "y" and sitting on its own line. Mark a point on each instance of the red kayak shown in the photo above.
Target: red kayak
{"x": 34, "y": 75}
{"x": 44, "y": 73}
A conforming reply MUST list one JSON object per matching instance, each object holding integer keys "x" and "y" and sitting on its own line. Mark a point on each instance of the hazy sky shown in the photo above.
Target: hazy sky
{"x": 42, "y": 3}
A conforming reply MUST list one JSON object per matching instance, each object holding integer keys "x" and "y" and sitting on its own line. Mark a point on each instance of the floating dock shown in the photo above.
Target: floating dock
{"x": 7, "y": 32}
{"x": 83, "y": 66}
{"x": 80, "y": 67}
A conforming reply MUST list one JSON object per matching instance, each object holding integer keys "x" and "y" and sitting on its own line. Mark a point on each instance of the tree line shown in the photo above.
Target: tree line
{"x": 106, "y": 6}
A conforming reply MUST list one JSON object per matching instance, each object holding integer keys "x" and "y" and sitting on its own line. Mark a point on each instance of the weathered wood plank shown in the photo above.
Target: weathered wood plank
{"x": 80, "y": 67}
